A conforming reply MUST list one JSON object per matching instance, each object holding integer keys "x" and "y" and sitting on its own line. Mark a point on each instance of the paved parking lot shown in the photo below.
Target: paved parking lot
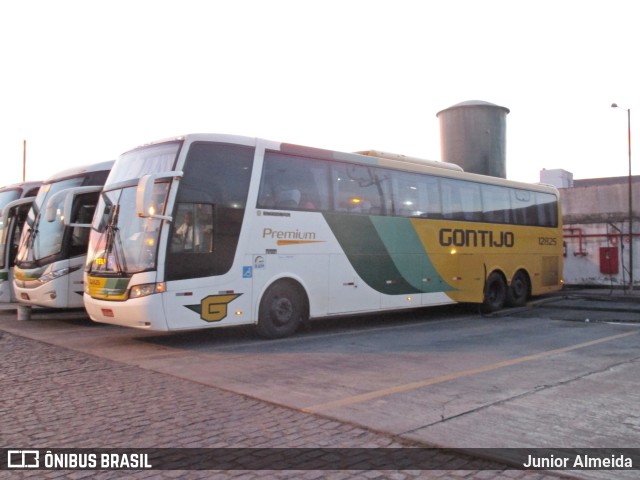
{"x": 526, "y": 378}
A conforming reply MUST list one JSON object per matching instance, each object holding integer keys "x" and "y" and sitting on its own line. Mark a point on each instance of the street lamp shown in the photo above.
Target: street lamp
{"x": 615, "y": 105}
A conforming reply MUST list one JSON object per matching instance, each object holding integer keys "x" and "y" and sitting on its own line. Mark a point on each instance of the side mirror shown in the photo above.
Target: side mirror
{"x": 6, "y": 211}
{"x": 68, "y": 195}
{"x": 144, "y": 194}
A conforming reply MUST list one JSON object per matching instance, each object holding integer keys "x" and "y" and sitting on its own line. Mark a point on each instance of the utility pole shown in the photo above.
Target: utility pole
{"x": 628, "y": 110}
{"x": 24, "y": 160}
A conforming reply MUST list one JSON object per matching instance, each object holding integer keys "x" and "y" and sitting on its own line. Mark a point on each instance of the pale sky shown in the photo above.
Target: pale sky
{"x": 83, "y": 81}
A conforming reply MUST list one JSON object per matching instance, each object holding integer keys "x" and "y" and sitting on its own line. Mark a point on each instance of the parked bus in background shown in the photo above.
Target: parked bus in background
{"x": 211, "y": 230}
{"x": 52, "y": 252}
{"x": 15, "y": 201}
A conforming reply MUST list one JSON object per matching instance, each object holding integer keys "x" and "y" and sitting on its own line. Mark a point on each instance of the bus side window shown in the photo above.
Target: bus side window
{"x": 547, "y": 210}
{"x": 266, "y": 197}
{"x": 524, "y": 208}
{"x": 215, "y": 189}
{"x": 193, "y": 232}
{"x": 84, "y": 207}
{"x": 360, "y": 189}
{"x": 451, "y": 204}
{"x": 287, "y": 198}
{"x": 496, "y": 205}
{"x": 204, "y": 219}
{"x": 416, "y": 195}
{"x": 293, "y": 183}
{"x": 406, "y": 195}
{"x": 433, "y": 200}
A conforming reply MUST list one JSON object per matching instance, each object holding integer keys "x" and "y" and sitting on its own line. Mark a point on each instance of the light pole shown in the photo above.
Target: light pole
{"x": 615, "y": 105}
{"x": 24, "y": 160}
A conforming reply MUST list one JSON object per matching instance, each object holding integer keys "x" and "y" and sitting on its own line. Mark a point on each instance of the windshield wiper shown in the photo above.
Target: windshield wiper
{"x": 114, "y": 242}
{"x": 29, "y": 245}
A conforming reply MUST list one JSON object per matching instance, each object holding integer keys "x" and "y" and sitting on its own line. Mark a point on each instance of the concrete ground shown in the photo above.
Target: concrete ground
{"x": 68, "y": 383}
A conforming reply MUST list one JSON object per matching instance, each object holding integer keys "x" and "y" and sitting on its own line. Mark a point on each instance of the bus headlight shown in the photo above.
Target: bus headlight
{"x": 53, "y": 275}
{"x": 138, "y": 291}
{"x": 57, "y": 274}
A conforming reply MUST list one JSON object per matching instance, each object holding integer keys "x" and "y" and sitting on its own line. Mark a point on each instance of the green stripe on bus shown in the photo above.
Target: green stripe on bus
{"x": 368, "y": 254}
{"x": 408, "y": 255}
{"x": 113, "y": 287}
{"x": 4, "y": 276}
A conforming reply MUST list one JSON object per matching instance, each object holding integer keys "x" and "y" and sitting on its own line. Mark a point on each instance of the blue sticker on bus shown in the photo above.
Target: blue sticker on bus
{"x": 247, "y": 272}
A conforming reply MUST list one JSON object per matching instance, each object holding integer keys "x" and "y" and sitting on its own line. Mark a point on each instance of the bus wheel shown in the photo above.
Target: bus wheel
{"x": 281, "y": 310}
{"x": 495, "y": 293}
{"x": 519, "y": 290}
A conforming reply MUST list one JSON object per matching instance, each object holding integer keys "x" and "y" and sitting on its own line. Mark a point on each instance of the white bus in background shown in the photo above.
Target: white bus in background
{"x": 15, "y": 202}
{"x": 214, "y": 230}
{"x": 52, "y": 252}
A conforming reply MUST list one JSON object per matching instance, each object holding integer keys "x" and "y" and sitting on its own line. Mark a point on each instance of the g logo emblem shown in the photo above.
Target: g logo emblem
{"x": 214, "y": 307}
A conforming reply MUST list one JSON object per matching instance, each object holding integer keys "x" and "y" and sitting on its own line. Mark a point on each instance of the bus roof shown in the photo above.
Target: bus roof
{"x": 25, "y": 186}
{"x": 366, "y": 157}
{"x": 407, "y": 159}
{"x": 460, "y": 174}
{"x": 77, "y": 171}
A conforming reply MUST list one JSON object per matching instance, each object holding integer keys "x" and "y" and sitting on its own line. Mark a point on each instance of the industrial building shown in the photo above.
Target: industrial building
{"x": 596, "y": 215}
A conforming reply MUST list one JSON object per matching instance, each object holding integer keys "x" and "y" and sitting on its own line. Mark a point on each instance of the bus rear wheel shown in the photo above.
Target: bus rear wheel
{"x": 282, "y": 310}
{"x": 495, "y": 293}
{"x": 519, "y": 290}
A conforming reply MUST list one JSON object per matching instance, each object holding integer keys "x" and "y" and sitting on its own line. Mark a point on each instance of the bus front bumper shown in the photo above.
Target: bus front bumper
{"x": 146, "y": 313}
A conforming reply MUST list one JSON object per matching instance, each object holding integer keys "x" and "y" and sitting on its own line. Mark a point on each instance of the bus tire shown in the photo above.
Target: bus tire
{"x": 282, "y": 310}
{"x": 518, "y": 292}
{"x": 495, "y": 293}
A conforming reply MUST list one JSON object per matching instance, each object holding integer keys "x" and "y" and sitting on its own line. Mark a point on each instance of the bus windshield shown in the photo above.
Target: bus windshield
{"x": 124, "y": 243}
{"x": 144, "y": 160}
{"x": 5, "y": 198}
{"x": 120, "y": 241}
{"x": 41, "y": 238}
{"x": 4, "y": 232}
{"x": 10, "y": 235}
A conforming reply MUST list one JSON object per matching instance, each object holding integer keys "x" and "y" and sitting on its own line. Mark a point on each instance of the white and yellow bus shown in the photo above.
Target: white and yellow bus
{"x": 49, "y": 266}
{"x": 15, "y": 202}
{"x": 212, "y": 230}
